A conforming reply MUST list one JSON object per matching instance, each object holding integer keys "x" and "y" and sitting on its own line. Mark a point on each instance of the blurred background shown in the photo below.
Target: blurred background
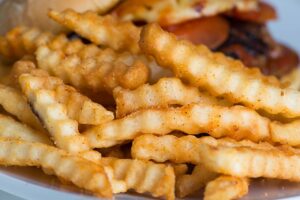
{"x": 287, "y": 28}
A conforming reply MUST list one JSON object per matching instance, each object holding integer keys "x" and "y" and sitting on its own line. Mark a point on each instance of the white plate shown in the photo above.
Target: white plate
{"x": 31, "y": 183}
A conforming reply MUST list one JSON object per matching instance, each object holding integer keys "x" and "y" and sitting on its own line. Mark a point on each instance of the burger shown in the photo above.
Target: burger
{"x": 238, "y": 28}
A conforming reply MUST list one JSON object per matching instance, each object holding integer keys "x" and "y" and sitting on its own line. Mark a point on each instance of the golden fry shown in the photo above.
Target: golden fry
{"x": 236, "y": 122}
{"x": 190, "y": 183}
{"x": 166, "y": 92}
{"x": 21, "y": 41}
{"x": 13, "y": 102}
{"x": 101, "y": 30}
{"x": 82, "y": 173}
{"x": 90, "y": 68}
{"x": 11, "y": 129}
{"x": 292, "y": 80}
{"x": 144, "y": 176}
{"x": 226, "y": 188}
{"x": 220, "y": 75}
{"x": 78, "y": 106}
{"x": 53, "y": 114}
{"x": 169, "y": 12}
{"x": 167, "y": 148}
{"x": 224, "y": 156}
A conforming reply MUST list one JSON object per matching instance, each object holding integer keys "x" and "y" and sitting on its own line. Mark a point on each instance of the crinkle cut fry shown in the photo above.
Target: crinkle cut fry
{"x": 189, "y": 183}
{"x": 53, "y": 115}
{"x": 250, "y": 159}
{"x": 170, "y": 12}
{"x": 226, "y": 188}
{"x": 79, "y": 107}
{"x": 14, "y": 102}
{"x": 220, "y": 75}
{"x": 21, "y": 41}
{"x": 101, "y": 30}
{"x": 82, "y": 173}
{"x": 166, "y": 92}
{"x": 11, "y": 129}
{"x": 88, "y": 67}
{"x": 143, "y": 176}
{"x": 237, "y": 122}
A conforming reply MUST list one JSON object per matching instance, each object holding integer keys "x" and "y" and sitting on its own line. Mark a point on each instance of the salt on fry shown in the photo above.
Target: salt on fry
{"x": 15, "y": 103}
{"x": 189, "y": 183}
{"x": 53, "y": 115}
{"x": 164, "y": 93}
{"x": 144, "y": 176}
{"x": 167, "y": 148}
{"x": 237, "y": 122}
{"x": 250, "y": 159}
{"x": 226, "y": 188}
{"x": 79, "y": 171}
{"x": 220, "y": 75}
{"x": 88, "y": 67}
{"x": 101, "y": 30}
{"x": 11, "y": 129}
{"x": 78, "y": 106}
{"x": 21, "y": 41}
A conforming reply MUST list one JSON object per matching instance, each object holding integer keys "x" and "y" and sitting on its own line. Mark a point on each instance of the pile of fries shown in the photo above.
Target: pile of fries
{"x": 131, "y": 110}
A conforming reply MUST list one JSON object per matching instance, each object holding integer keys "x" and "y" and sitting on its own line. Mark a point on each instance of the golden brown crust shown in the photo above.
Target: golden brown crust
{"x": 170, "y": 11}
{"x": 220, "y": 75}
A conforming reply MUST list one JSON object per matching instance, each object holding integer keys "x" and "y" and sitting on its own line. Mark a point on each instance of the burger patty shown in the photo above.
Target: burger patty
{"x": 252, "y": 43}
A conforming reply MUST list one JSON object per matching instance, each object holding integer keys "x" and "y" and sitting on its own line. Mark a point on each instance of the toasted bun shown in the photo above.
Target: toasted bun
{"x": 34, "y": 12}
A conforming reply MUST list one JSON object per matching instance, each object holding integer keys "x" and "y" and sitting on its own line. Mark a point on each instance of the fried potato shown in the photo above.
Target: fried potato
{"x": 292, "y": 79}
{"x": 225, "y": 156}
{"x": 220, "y": 75}
{"x": 144, "y": 176}
{"x": 15, "y": 103}
{"x": 169, "y": 12}
{"x": 167, "y": 148}
{"x": 11, "y": 129}
{"x": 226, "y": 188}
{"x": 237, "y": 122}
{"x": 21, "y": 41}
{"x": 166, "y": 92}
{"x": 78, "y": 106}
{"x": 21, "y": 67}
{"x": 81, "y": 172}
{"x": 190, "y": 183}
{"x": 106, "y": 30}
{"x": 90, "y": 68}
{"x": 53, "y": 114}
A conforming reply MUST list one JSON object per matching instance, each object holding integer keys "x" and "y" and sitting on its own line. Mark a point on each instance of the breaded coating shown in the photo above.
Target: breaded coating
{"x": 220, "y": 75}
{"x": 79, "y": 171}
{"x": 107, "y": 31}
{"x": 226, "y": 188}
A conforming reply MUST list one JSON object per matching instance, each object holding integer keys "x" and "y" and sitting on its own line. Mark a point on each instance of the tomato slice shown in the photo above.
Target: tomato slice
{"x": 210, "y": 31}
{"x": 264, "y": 13}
